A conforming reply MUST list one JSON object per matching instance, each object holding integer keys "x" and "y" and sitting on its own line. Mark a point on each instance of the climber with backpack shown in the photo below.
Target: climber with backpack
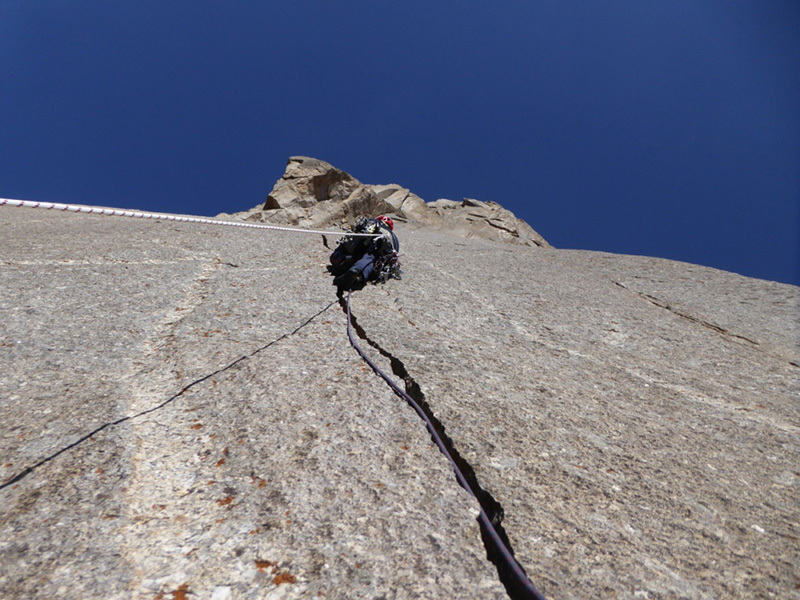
{"x": 358, "y": 260}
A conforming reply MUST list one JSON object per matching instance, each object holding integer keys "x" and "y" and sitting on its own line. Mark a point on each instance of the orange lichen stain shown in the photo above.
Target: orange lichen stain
{"x": 110, "y": 517}
{"x": 286, "y": 514}
{"x": 196, "y": 426}
{"x": 221, "y": 520}
{"x": 288, "y": 521}
{"x": 8, "y": 465}
{"x": 380, "y": 485}
{"x": 404, "y": 448}
{"x": 220, "y": 462}
{"x": 211, "y": 482}
{"x": 284, "y": 577}
{"x": 261, "y": 483}
{"x": 358, "y": 565}
{"x": 255, "y": 531}
{"x": 182, "y": 593}
{"x": 225, "y": 501}
{"x": 98, "y": 470}
{"x": 225, "y": 451}
{"x": 263, "y": 565}
{"x": 159, "y": 506}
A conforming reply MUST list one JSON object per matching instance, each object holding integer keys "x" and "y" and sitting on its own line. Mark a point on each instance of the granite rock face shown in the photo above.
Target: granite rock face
{"x": 181, "y": 415}
{"x": 313, "y": 193}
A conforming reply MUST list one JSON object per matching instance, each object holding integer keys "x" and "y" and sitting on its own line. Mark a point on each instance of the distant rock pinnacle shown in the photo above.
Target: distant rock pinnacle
{"x": 313, "y": 193}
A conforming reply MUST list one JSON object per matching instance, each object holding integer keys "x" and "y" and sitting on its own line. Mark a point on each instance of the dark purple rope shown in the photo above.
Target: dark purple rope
{"x": 484, "y": 518}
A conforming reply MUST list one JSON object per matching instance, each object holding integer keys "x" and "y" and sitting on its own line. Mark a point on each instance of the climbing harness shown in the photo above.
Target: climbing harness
{"x": 118, "y": 212}
{"x": 386, "y": 263}
{"x": 386, "y": 268}
{"x": 520, "y": 576}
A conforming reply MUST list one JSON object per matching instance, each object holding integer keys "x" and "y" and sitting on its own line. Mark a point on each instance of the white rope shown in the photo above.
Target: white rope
{"x": 116, "y": 212}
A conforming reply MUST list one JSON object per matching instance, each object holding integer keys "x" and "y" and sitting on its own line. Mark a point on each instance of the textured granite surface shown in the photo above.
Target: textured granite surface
{"x": 636, "y": 418}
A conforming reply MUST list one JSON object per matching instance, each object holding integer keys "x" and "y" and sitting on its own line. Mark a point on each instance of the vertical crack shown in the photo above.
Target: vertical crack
{"x": 515, "y": 587}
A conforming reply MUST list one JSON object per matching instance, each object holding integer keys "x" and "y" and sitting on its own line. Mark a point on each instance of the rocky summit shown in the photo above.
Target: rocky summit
{"x": 182, "y": 415}
{"x": 313, "y": 193}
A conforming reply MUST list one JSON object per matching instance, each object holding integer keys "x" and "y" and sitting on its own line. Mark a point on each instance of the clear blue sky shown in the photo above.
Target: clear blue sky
{"x": 665, "y": 128}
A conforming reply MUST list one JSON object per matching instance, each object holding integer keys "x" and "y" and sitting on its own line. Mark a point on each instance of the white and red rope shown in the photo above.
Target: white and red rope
{"x": 116, "y": 212}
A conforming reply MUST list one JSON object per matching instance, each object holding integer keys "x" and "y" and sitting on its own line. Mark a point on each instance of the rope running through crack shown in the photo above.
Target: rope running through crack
{"x": 508, "y": 558}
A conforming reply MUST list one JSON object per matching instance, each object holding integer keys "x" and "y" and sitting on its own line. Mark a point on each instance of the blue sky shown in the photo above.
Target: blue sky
{"x": 663, "y": 128}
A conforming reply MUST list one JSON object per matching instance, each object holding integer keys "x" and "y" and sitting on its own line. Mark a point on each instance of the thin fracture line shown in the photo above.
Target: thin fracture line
{"x": 532, "y": 592}
{"x": 28, "y": 470}
{"x": 118, "y": 212}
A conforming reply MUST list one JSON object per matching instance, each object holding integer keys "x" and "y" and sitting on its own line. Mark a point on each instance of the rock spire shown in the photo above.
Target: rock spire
{"x": 313, "y": 193}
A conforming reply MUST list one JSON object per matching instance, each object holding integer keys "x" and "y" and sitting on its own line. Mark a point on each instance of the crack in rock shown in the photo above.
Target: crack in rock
{"x": 666, "y": 306}
{"x": 492, "y": 508}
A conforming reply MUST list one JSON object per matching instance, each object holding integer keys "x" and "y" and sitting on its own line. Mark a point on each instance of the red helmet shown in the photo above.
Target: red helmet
{"x": 387, "y": 220}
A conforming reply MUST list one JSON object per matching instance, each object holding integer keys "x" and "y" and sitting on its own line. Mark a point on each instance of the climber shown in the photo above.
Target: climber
{"x": 358, "y": 260}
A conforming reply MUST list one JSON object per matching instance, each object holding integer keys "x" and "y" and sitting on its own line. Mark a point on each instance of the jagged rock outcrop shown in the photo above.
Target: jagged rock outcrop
{"x": 313, "y": 193}
{"x": 182, "y": 416}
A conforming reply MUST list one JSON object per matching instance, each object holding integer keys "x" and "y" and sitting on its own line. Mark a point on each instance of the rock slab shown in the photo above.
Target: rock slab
{"x": 199, "y": 425}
